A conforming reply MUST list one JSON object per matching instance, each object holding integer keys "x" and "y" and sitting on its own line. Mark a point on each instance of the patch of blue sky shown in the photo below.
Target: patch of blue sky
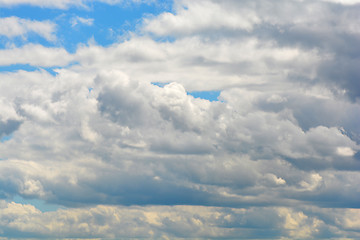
{"x": 39, "y": 204}
{"x": 17, "y": 67}
{"x": 164, "y": 39}
{"x": 51, "y": 70}
{"x": 28, "y": 68}
{"x": 159, "y": 84}
{"x": 109, "y": 22}
{"x": 208, "y": 95}
{"x": 6, "y": 138}
{"x": 30, "y": 12}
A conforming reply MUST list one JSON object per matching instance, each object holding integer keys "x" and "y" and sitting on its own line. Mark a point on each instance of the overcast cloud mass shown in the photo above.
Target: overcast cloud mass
{"x": 108, "y": 131}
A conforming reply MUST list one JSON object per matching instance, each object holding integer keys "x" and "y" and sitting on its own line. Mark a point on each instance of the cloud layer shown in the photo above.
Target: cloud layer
{"x": 278, "y": 156}
{"x": 162, "y": 222}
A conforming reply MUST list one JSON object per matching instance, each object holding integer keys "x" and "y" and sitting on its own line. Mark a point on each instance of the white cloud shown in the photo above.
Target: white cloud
{"x": 188, "y": 61}
{"x": 35, "y": 111}
{"x": 79, "y": 20}
{"x": 345, "y": 151}
{"x": 299, "y": 225}
{"x": 201, "y": 16}
{"x": 314, "y": 182}
{"x": 35, "y": 55}
{"x": 14, "y": 26}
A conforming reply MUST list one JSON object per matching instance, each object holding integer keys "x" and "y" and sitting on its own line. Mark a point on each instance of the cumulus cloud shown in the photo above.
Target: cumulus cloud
{"x": 198, "y": 152}
{"x": 14, "y": 26}
{"x": 177, "y": 222}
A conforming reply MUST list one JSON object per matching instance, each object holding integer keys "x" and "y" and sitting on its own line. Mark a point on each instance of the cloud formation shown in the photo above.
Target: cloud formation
{"x": 224, "y": 147}
{"x": 17, "y": 27}
{"x": 35, "y": 55}
{"x": 277, "y": 156}
{"x": 163, "y": 222}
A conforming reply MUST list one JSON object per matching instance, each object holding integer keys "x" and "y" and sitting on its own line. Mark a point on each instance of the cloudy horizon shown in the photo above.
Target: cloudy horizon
{"x": 182, "y": 119}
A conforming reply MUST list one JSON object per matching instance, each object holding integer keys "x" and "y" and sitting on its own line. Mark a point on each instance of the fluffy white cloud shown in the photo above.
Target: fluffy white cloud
{"x": 14, "y": 26}
{"x": 201, "y": 16}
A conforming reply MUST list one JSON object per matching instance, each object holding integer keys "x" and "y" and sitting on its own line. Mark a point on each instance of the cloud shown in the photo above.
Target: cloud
{"x": 199, "y": 65}
{"x": 198, "y": 152}
{"x": 345, "y": 2}
{"x": 200, "y": 17}
{"x": 79, "y": 20}
{"x": 269, "y": 159}
{"x": 13, "y": 26}
{"x": 35, "y": 55}
{"x": 298, "y": 27}
{"x": 164, "y": 222}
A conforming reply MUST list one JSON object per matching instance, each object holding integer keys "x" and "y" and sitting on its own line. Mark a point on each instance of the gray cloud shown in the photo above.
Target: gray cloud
{"x": 129, "y": 152}
{"x": 8, "y": 127}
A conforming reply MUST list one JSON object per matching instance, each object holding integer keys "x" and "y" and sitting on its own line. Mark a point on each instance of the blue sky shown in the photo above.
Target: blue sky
{"x": 106, "y": 25}
{"x": 128, "y": 119}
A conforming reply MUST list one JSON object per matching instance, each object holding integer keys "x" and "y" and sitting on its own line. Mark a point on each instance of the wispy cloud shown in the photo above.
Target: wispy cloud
{"x": 79, "y": 20}
{"x": 14, "y": 27}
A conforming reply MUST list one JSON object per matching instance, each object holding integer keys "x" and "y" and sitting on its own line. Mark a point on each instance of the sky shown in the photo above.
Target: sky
{"x": 208, "y": 119}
